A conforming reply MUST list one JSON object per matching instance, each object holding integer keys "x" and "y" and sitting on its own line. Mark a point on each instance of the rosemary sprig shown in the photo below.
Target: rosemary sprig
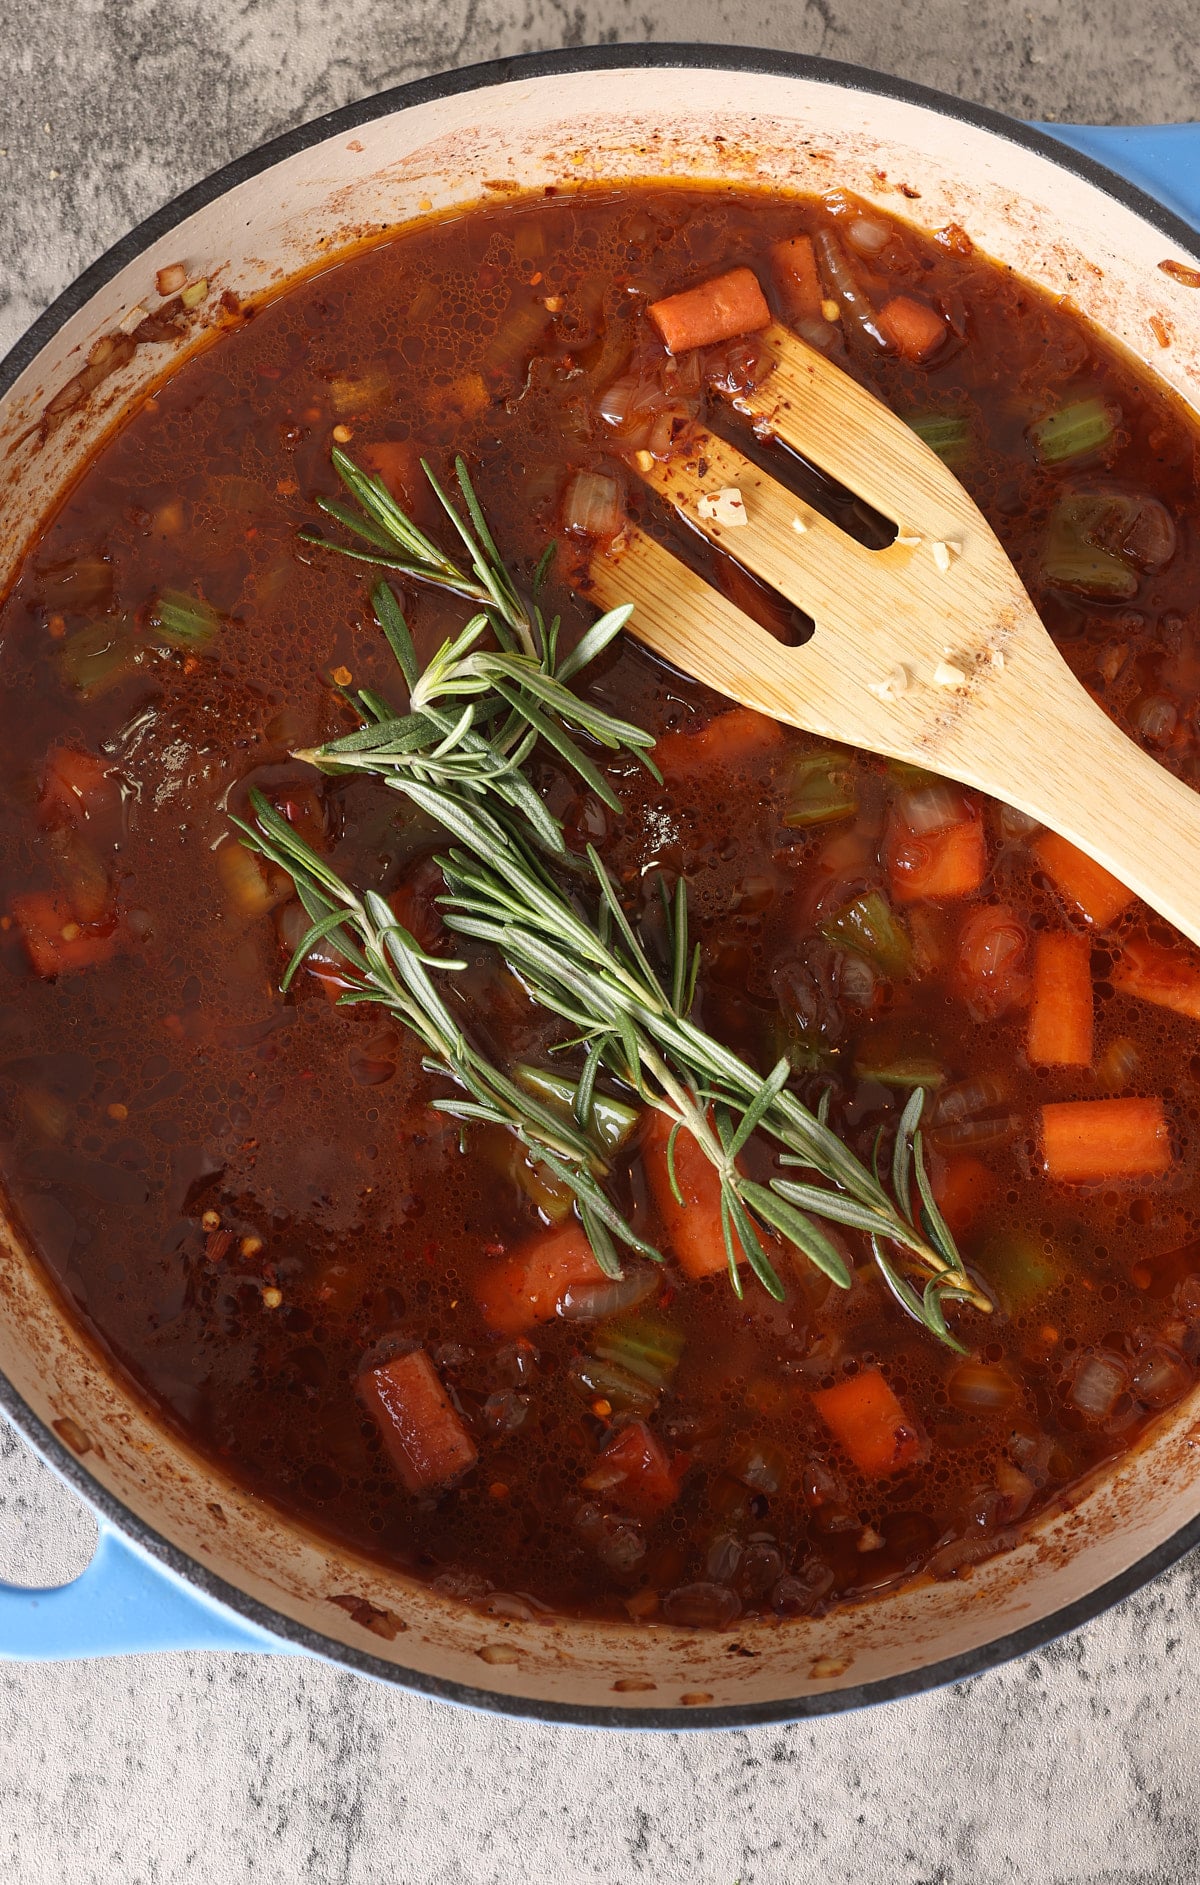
{"x": 577, "y": 952}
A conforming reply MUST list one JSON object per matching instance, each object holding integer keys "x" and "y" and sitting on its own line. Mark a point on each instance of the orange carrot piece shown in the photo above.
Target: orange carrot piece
{"x": 423, "y": 1435}
{"x": 634, "y": 1472}
{"x": 1093, "y": 890}
{"x": 1061, "y": 1018}
{"x": 794, "y": 268}
{"x": 53, "y": 937}
{"x": 1084, "y": 1141}
{"x": 76, "y": 787}
{"x": 732, "y": 739}
{"x": 912, "y": 328}
{"x": 949, "y": 863}
{"x": 1151, "y": 972}
{"x": 722, "y": 309}
{"x": 528, "y": 1286}
{"x": 694, "y": 1234}
{"x": 962, "y": 1188}
{"x": 869, "y": 1423}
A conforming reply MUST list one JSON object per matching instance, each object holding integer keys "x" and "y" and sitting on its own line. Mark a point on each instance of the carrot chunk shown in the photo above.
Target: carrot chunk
{"x": 869, "y": 1423}
{"x": 76, "y": 787}
{"x": 721, "y": 309}
{"x": 634, "y": 1472}
{"x": 1151, "y": 972}
{"x": 1060, "y": 1019}
{"x": 693, "y": 1228}
{"x": 1083, "y": 882}
{"x": 732, "y": 739}
{"x": 53, "y": 937}
{"x": 912, "y": 328}
{"x": 424, "y": 1437}
{"x": 794, "y": 268}
{"x": 962, "y": 1189}
{"x": 1084, "y": 1141}
{"x": 949, "y": 863}
{"x": 528, "y": 1286}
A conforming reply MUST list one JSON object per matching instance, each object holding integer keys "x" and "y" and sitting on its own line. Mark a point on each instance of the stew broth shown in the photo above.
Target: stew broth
{"x": 246, "y": 1197}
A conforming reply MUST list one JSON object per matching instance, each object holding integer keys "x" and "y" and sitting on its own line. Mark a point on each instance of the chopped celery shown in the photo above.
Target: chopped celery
{"x": 1077, "y": 553}
{"x": 945, "y": 434}
{"x": 1077, "y": 429}
{"x": 909, "y": 1070}
{"x": 602, "y": 1380}
{"x": 184, "y": 621}
{"x": 612, "y": 1119}
{"x": 822, "y": 788}
{"x": 1019, "y": 1267}
{"x": 646, "y": 1346}
{"x": 871, "y": 926}
{"x": 95, "y": 658}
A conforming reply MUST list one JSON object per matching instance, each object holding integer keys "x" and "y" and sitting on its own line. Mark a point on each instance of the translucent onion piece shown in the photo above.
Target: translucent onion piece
{"x": 1160, "y": 1376}
{"x": 868, "y": 236}
{"x": 1098, "y": 1385}
{"x": 976, "y": 1385}
{"x": 933, "y": 808}
{"x": 591, "y": 1302}
{"x": 835, "y": 270}
{"x": 702, "y": 1606}
{"x": 592, "y": 505}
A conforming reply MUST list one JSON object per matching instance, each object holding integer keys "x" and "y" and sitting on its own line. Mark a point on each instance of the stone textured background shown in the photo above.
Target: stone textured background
{"x": 1074, "y": 1767}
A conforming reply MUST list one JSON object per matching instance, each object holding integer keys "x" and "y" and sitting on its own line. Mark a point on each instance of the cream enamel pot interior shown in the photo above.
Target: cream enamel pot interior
{"x": 568, "y": 120}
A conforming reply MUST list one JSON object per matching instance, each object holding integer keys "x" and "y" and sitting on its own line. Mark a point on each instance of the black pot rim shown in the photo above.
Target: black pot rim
{"x": 112, "y": 1510}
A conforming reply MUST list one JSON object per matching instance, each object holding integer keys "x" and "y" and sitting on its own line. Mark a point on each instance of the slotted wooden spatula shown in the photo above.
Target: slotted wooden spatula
{"x": 928, "y": 651}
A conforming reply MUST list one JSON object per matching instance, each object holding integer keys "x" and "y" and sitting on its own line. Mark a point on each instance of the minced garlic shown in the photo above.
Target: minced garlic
{"x": 726, "y": 506}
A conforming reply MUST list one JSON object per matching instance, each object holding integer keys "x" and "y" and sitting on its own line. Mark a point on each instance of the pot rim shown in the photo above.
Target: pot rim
{"x": 110, "y": 1510}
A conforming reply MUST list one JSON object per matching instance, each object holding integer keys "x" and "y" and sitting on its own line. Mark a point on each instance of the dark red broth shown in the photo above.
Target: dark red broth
{"x": 246, "y": 1198}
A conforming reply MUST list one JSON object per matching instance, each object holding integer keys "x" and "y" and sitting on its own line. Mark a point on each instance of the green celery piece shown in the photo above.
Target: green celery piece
{"x": 591, "y": 1378}
{"x": 944, "y": 433}
{"x": 1019, "y": 1267}
{"x": 184, "y": 621}
{"x": 96, "y": 657}
{"x": 645, "y": 1346}
{"x": 871, "y": 926}
{"x": 1075, "y": 559}
{"x": 1072, "y": 432}
{"x": 822, "y": 789}
{"x": 911, "y": 1070}
{"x": 613, "y": 1120}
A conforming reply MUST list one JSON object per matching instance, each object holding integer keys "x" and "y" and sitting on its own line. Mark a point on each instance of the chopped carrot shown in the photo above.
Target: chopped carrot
{"x": 693, "y": 1228}
{"x": 869, "y": 1423}
{"x": 76, "y": 786}
{"x": 949, "y": 863}
{"x": 634, "y": 1472}
{"x": 1084, "y": 1141}
{"x": 398, "y": 463}
{"x": 55, "y": 940}
{"x": 962, "y": 1188}
{"x": 794, "y": 267}
{"x": 1151, "y": 972}
{"x": 731, "y": 739}
{"x": 1060, "y": 1019}
{"x": 722, "y": 309}
{"x": 528, "y": 1286}
{"x": 912, "y": 328}
{"x": 1083, "y": 882}
{"x": 424, "y": 1436}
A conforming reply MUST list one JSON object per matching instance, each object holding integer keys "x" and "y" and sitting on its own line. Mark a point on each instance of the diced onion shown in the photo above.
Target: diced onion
{"x": 970, "y": 1098}
{"x": 589, "y": 1302}
{"x": 1160, "y": 1376}
{"x": 868, "y": 236}
{"x": 701, "y": 1606}
{"x": 1015, "y": 1487}
{"x": 592, "y": 505}
{"x": 1098, "y": 1385}
{"x": 933, "y": 808}
{"x": 976, "y": 1385}
{"x": 1156, "y": 717}
{"x": 1015, "y": 824}
{"x": 817, "y": 333}
{"x": 836, "y": 271}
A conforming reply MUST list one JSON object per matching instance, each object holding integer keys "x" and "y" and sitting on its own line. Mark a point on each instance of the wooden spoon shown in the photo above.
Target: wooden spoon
{"x": 929, "y": 651}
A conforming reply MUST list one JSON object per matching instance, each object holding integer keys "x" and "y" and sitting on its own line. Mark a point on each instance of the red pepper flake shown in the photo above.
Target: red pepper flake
{"x": 217, "y": 1245}
{"x": 1180, "y": 272}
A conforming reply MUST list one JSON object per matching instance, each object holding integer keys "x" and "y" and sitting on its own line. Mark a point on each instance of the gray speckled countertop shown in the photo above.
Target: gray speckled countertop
{"x": 1073, "y": 1767}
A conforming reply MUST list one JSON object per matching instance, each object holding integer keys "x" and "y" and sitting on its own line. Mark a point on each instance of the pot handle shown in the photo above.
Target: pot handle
{"x": 122, "y": 1604}
{"x": 1162, "y": 159}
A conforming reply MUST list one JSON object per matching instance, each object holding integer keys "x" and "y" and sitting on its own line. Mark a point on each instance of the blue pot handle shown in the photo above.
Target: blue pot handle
{"x": 1162, "y": 159}
{"x": 125, "y": 1602}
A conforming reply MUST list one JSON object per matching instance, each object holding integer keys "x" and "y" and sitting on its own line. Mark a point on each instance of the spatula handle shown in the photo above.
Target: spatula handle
{"x": 1062, "y": 760}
